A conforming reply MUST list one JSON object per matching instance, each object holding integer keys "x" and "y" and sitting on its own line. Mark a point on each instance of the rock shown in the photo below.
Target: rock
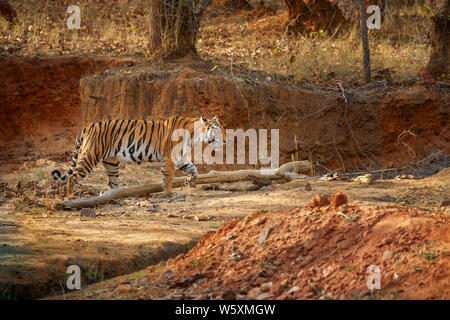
{"x": 123, "y": 288}
{"x": 228, "y": 295}
{"x": 266, "y": 286}
{"x": 319, "y": 200}
{"x": 168, "y": 275}
{"x": 277, "y": 290}
{"x": 366, "y": 179}
{"x": 338, "y": 199}
{"x": 387, "y": 254}
{"x": 264, "y": 296}
{"x": 267, "y": 188}
{"x": 327, "y": 271}
{"x": 308, "y": 186}
{"x": 201, "y": 218}
{"x": 88, "y": 212}
{"x": 293, "y": 290}
{"x": 254, "y": 292}
{"x": 264, "y": 234}
{"x": 259, "y": 281}
{"x": 326, "y": 296}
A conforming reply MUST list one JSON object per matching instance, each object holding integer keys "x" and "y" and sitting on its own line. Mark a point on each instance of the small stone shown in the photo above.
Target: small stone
{"x": 327, "y": 271}
{"x": 264, "y": 234}
{"x": 308, "y": 186}
{"x": 277, "y": 290}
{"x": 284, "y": 283}
{"x": 228, "y": 295}
{"x": 387, "y": 254}
{"x": 266, "y": 286}
{"x": 253, "y": 292}
{"x": 338, "y": 199}
{"x": 319, "y": 201}
{"x": 169, "y": 275}
{"x": 293, "y": 289}
{"x": 326, "y": 296}
{"x": 366, "y": 179}
{"x": 201, "y": 218}
{"x": 395, "y": 276}
{"x": 266, "y": 188}
{"x": 264, "y": 296}
{"x": 88, "y": 212}
{"x": 123, "y": 288}
{"x": 259, "y": 281}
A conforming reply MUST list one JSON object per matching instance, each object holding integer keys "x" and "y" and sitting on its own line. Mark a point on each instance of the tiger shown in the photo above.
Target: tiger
{"x": 135, "y": 141}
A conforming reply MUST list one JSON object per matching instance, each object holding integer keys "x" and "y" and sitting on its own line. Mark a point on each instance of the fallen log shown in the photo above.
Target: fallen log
{"x": 211, "y": 177}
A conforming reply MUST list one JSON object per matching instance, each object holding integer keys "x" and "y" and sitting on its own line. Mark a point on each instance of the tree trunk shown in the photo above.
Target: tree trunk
{"x": 440, "y": 43}
{"x": 174, "y": 26}
{"x": 312, "y": 15}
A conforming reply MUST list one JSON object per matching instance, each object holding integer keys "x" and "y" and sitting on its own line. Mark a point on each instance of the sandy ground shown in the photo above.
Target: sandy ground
{"x": 38, "y": 243}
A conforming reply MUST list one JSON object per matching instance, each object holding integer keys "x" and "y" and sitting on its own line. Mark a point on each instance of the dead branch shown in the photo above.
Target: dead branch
{"x": 259, "y": 182}
{"x": 211, "y": 177}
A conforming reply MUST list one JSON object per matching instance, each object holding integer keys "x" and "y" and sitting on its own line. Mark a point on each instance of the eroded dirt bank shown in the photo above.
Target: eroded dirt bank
{"x": 40, "y": 101}
{"x": 44, "y": 105}
{"x": 378, "y": 127}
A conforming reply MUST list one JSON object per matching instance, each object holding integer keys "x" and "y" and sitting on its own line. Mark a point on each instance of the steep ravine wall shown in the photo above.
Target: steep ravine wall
{"x": 342, "y": 133}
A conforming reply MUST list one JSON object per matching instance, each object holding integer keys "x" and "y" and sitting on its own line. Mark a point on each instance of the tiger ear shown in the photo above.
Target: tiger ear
{"x": 215, "y": 118}
{"x": 202, "y": 120}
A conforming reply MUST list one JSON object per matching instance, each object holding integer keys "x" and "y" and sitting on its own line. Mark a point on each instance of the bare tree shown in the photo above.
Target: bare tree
{"x": 439, "y": 63}
{"x": 365, "y": 41}
{"x": 174, "y": 26}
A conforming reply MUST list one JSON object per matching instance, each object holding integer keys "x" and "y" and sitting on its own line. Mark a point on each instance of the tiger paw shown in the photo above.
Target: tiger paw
{"x": 190, "y": 181}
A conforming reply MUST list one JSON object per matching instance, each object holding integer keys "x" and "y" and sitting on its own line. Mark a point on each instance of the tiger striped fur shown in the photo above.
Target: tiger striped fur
{"x": 116, "y": 141}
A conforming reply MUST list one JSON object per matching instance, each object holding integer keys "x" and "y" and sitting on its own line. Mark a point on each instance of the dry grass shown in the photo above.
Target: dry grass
{"x": 262, "y": 44}
{"x": 233, "y": 39}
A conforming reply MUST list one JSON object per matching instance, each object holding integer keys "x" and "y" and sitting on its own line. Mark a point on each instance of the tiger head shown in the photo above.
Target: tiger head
{"x": 212, "y": 132}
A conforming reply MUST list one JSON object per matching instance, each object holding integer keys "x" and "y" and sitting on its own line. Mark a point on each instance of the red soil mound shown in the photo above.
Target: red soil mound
{"x": 299, "y": 254}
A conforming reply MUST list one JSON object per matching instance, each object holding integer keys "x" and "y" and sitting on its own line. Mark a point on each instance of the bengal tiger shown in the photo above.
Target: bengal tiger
{"x": 116, "y": 141}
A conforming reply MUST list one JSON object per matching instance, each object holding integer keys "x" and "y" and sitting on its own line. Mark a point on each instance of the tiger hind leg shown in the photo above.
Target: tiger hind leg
{"x": 112, "y": 170}
{"x": 83, "y": 167}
